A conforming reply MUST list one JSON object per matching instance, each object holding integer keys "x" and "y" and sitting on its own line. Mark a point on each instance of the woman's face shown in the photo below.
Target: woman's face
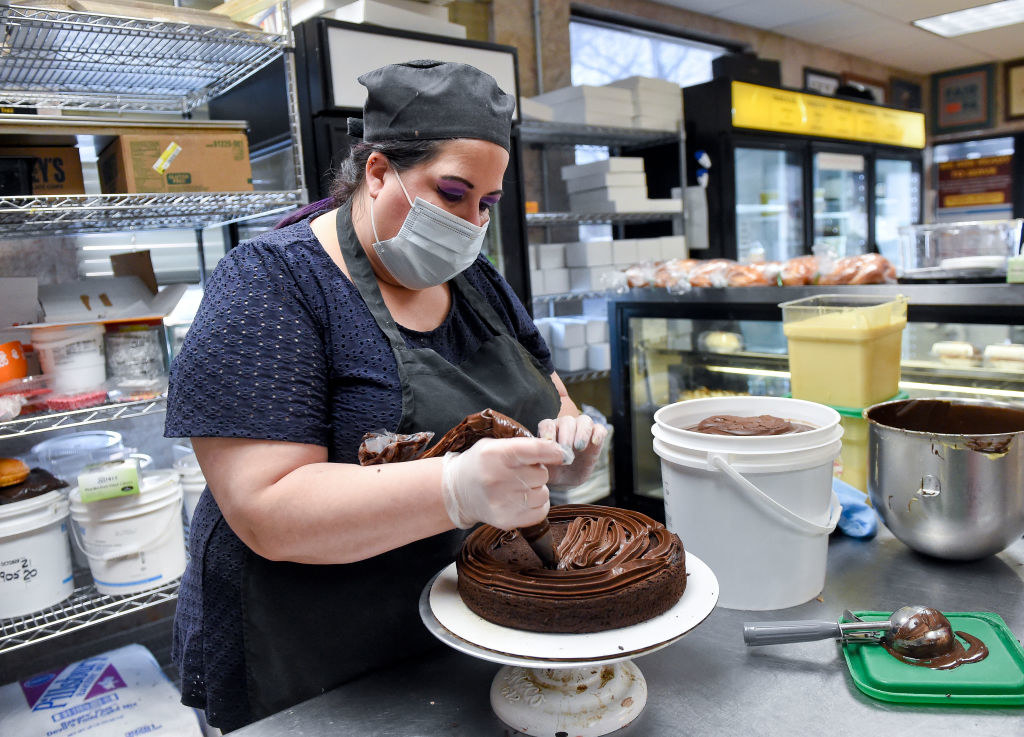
{"x": 464, "y": 179}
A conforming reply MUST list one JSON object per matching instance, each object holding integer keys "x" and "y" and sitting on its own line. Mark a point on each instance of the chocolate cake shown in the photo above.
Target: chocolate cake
{"x": 615, "y": 568}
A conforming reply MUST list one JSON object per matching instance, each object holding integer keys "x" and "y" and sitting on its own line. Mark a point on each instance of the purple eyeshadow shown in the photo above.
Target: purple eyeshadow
{"x": 452, "y": 189}
{"x": 491, "y": 200}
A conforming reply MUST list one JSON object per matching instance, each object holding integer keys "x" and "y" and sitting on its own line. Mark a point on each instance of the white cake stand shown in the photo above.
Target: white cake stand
{"x": 581, "y": 685}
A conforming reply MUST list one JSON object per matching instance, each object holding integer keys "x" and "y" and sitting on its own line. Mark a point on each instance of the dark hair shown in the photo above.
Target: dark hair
{"x": 401, "y": 154}
{"x": 351, "y": 172}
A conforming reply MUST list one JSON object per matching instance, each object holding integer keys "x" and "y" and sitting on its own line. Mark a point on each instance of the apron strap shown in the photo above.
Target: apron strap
{"x": 363, "y": 277}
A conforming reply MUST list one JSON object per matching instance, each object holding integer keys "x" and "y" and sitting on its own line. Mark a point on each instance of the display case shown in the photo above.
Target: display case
{"x": 666, "y": 348}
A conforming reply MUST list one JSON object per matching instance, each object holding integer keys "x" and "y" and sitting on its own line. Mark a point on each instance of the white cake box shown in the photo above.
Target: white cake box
{"x": 532, "y": 109}
{"x": 588, "y": 253}
{"x": 556, "y": 281}
{"x": 550, "y": 256}
{"x": 607, "y": 179}
{"x": 537, "y": 286}
{"x": 597, "y": 330}
{"x": 648, "y": 249}
{"x": 599, "y": 357}
{"x": 568, "y": 332}
{"x": 570, "y": 359}
{"x": 624, "y": 252}
{"x": 587, "y": 113}
{"x": 608, "y": 96}
{"x": 544, "y": 328}
{"x": 655, "y": 122}
{"x": 665, "y": 205}
{"x": 611, "y": 164}
{"x": 602, "y": 201}
{"x": 647, "y": 85}
{"x": 673, "y": 246}
{"x": 589, "y": 278}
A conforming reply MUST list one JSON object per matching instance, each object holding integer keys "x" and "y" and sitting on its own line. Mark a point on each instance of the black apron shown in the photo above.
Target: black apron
{"x": 309, "y": 628}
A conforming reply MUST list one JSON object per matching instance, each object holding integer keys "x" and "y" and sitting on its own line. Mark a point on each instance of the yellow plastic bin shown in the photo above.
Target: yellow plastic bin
{"x": 844, "y": 350}
{"x": 852, "y": 464}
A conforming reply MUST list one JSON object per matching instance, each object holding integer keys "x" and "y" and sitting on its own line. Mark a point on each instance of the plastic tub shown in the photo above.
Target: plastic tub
{"x": 758, "y": 510}
{"x": 136, "y": 542}
{"x": 35, "y": 562}
{"x": 844, "y": 349}
{"x": 66, "y": 455}
{"x": 72, "y": 356}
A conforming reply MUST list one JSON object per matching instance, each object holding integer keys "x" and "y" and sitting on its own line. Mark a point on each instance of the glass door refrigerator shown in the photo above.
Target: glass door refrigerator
{"x": 790, "y": 170}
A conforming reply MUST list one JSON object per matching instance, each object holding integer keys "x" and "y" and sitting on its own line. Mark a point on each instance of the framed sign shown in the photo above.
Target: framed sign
{"x": 820, "y": 81}
{"x": 963, "y": 99}
{"x": 1014, "y": 89}
{"x": 904, "y": 93}
{"x": 874, "y": 86}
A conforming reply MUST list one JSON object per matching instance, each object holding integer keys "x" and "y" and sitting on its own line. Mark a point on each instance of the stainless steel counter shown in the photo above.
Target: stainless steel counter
{"x": 710, "y": 683}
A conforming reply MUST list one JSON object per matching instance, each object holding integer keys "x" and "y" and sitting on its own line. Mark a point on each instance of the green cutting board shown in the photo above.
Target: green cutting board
{"x": 998, "y": 680}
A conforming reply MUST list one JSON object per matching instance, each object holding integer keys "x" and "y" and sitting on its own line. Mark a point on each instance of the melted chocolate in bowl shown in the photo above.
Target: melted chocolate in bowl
{"x": 748, "y": 426}
{"x": 976, "y": 423}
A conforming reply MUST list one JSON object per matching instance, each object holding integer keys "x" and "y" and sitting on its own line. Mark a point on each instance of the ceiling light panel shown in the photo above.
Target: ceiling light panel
{"x": 972, "y": 20}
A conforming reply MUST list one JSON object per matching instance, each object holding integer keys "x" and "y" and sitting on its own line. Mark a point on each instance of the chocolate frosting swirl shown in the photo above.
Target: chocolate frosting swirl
{"x": 603, "y": 549}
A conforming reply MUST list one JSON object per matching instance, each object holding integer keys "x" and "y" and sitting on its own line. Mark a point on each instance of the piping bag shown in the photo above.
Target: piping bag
{"x": 386, "y": 447}
{"x": 539, "y": 535}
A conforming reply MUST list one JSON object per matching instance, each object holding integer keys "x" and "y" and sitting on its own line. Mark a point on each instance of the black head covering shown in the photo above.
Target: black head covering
{"x": 428, "y": 100}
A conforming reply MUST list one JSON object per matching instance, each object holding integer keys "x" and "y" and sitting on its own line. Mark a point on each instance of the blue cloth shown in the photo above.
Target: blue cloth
{"x": 284, "y": 348}
{"x": 857, "y": 519}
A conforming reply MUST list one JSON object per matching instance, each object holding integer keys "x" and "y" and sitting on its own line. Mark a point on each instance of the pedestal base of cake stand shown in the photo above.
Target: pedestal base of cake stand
{"x": 584, "y": 702}
{"x": 575, "y": 684}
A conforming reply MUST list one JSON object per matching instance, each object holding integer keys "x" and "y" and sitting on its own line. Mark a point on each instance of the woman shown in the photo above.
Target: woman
{"x": 378, "y": 314}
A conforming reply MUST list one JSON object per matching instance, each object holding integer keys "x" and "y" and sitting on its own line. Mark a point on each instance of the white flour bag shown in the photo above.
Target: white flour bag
{"x": 121, "y": 693}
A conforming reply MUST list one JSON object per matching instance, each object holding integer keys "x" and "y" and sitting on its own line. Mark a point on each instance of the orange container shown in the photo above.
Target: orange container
{"x": 12, "y": 361}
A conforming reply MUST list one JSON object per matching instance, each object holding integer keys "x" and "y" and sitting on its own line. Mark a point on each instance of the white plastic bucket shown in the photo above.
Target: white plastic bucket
{"x": 192, "y": 483}
{"x": 35, "y": 562}
{"x": 757, "y": 509}
{"x": 72, "y": 356}
{"x": 136, "y": 542}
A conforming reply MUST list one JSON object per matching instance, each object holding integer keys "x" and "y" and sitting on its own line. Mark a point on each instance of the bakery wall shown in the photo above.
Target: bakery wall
{"x": 512, "y": 23}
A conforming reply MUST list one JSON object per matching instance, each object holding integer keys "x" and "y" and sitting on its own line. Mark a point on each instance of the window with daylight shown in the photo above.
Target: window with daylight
{"x": 601, "y": 52}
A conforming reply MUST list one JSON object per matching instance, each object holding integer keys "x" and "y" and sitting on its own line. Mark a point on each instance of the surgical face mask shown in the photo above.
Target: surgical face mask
{"x": 431, "y": 247}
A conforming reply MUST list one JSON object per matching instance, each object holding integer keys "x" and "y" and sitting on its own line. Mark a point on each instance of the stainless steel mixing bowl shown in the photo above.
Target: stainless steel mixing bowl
{"x": 947, "y": 475}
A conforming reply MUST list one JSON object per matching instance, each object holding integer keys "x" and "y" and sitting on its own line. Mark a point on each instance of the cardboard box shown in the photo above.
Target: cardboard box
{"x": 107, "y": 300}
{"x": 176, "y": 160}
{"x": 57, "y": 169}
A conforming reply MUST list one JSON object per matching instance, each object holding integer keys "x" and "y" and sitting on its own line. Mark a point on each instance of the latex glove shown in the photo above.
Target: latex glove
{"x": 499, "y": 482}
{"x": 583, "y": 437}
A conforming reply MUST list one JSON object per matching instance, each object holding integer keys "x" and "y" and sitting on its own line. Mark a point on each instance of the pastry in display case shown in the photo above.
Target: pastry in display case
{"x": 668, "y": 348}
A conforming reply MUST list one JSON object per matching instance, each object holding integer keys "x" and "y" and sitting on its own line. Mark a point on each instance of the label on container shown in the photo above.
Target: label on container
{"x": 169, "y": 154}
{"x": 109, "y": 480}
{"x": 1015, "y": 270}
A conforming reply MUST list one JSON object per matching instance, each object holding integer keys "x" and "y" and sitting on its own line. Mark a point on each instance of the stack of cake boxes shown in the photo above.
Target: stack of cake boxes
{"x": 590, "y": 266}
{"x": 616, "y": 184}
{"x": 634, "y": 102}
{"x": 581, "y": 343}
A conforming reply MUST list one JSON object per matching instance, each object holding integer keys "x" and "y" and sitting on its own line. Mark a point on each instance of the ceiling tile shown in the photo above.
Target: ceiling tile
{"x": 999, "y": 43}
{"x": 769, "y": 15}
{"x": 707, "y": 7}
{"x": 841, "y": 23}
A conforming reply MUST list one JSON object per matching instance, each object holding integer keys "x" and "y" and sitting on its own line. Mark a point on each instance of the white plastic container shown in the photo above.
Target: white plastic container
{"x": 136, "y": 542}
{"x": 73, "y": 356}
{"x": 35, "y": 561}
{"x": 757, "y": 509}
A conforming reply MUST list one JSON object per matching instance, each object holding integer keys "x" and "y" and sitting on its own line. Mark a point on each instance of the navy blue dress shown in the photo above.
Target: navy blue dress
{"x": 284, "y": 348}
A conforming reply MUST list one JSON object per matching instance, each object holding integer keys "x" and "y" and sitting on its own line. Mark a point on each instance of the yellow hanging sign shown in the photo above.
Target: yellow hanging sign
{"x": 784, "y": 111}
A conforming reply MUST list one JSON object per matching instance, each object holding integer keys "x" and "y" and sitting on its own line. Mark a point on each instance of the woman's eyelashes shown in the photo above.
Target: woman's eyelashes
{"x": 454, "y": 193}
